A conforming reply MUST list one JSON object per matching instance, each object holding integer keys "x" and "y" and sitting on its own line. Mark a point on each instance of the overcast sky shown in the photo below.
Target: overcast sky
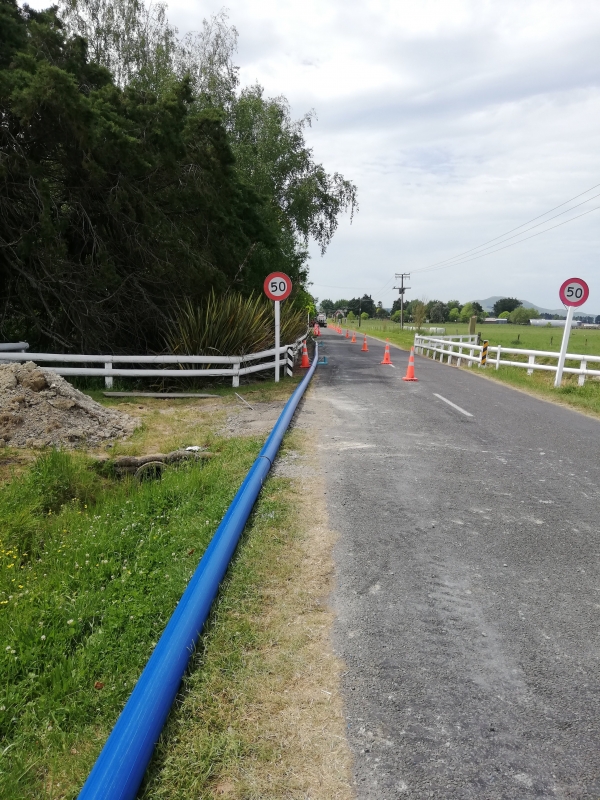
{"x": 457, "y": 119}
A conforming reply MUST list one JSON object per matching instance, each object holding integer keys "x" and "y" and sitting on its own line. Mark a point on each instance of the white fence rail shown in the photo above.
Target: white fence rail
{"x": 233, "y": 366}
{"x": 13, "y": 346}
{"x": 453, "y": 351}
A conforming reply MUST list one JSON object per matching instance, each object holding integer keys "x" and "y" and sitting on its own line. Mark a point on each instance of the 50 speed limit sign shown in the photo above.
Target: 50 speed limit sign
{"x": 277, "y": 286}
{"x": 574, "y": 292}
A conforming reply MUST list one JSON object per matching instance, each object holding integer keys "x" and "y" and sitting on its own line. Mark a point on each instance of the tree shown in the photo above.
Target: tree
{"x": 419, "y": 313}
{"x": 141, "y": 175}
{"x": 504, "y": 315}
{"x": 453, "y": 304}
{"x": 438, "y": 312}
{"x": 342, "y": 305}
{"x": 327, "y": 306}
{"x": 115, "y": 204}
{"x": 364, "y": 315}
{"x": 454, "y": 314}
{"x": 271, "y": 155}
{"x": 521, "y": 316}
{"x": 467, "y": 312}
{"x": 360, "y": 304}
{"x": 138, "y": 45}
{"x": 351, "y": 316}
{"x": 506, "y": 304}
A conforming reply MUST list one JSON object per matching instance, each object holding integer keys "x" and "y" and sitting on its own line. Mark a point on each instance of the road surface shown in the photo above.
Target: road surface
{"x": 468, "y": 586}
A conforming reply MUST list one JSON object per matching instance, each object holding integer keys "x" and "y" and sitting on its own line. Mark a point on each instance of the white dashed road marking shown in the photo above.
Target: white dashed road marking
{"x": 458, "y": 408}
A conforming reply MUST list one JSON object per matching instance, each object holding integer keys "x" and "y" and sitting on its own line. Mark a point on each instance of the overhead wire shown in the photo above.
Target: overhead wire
{"x": 458, "y": 259}
{"x": 533, "y": 235}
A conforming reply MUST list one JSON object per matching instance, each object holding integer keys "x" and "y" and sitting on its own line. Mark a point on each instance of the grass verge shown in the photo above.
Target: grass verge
{"x": 259, "y": 714}
{"x": 90, "y": 571}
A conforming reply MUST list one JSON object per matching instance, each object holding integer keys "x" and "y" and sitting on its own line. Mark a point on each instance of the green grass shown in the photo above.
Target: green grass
{"x": 90, "y": 571}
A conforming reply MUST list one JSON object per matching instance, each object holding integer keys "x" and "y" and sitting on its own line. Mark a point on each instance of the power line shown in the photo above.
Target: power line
{"x": 524, "y": 224}
{"x": 533, "y": 235}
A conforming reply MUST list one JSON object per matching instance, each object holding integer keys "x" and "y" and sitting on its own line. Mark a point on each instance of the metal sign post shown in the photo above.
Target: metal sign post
{"x": 278, "y": 287}
{"x": 573, "y": 293}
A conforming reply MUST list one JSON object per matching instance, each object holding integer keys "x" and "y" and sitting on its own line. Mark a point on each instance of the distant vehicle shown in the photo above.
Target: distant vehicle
{"x": 322, "y": 320}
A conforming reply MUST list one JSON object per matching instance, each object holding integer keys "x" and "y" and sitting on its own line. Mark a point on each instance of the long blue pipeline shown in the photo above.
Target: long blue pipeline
{"x": 120, "y": 767}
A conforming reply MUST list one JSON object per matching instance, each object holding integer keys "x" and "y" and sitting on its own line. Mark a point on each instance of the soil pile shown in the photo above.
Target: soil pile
{"x": 39, "y": 408}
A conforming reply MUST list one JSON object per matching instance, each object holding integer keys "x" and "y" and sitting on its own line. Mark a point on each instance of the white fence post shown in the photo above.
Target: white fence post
{"x": 108, "y": 381}
{"x": 583, "y": 366}
{"x": 236, "y": 374}
{"x": 498, "y": 357}
{"x": 531, "y": 362}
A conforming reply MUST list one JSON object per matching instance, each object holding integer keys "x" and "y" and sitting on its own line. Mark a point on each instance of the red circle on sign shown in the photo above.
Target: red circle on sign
{"x": 277, "y": 286}
{"x": 574, "y": 292}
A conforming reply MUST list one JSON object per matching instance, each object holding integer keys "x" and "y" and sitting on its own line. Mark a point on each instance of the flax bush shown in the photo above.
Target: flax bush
{"x": 231, "y": 325}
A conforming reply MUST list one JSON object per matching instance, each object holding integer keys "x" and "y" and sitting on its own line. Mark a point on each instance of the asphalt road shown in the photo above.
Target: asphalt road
{"x": 468, "y": 588}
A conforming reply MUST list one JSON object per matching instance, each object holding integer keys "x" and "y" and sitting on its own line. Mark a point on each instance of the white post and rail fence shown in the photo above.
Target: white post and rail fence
{"x": 455, "y": 349}
{"x": 460, "y": 350}
{"x": 188, "y": 366}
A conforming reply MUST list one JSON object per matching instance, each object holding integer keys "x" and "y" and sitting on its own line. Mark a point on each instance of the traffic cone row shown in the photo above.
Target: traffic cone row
{"x": 410, "y": 372}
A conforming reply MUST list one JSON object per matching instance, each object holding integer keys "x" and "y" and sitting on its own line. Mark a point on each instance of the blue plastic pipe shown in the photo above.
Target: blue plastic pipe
{"x": 120, "y": 767}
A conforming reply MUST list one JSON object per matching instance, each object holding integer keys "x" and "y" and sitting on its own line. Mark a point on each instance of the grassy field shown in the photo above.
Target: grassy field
{"x": 91, "y": 568}
{"x": 585, "y": 342}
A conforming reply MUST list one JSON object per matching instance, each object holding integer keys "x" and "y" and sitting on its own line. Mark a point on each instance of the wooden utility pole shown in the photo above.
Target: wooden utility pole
{"x": 402, "y": 288}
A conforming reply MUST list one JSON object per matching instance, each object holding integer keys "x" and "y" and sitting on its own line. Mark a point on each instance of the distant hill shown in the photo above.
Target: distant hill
{"x": 488, "y": 305}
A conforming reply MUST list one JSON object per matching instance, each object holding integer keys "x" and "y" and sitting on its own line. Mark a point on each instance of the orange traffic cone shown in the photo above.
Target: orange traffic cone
{"x": 347, "y": 334}
{"x": 386, "y": 355}
{"x": 353, "y": 340}
{"x": 410, "y": 372}
{"x": 316, "y": 330}
{"x": 365, "y": 349}
{"x": 305, "y": 363}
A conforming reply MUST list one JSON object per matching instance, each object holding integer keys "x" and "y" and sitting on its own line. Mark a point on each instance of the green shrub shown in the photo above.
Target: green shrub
{"x": 232, "y": 325}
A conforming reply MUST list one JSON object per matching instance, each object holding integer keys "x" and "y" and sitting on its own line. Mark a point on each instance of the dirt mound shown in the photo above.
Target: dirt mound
{"x": 38, "y": 408}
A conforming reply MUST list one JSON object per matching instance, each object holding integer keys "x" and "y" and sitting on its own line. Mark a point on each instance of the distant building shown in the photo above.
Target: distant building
{"x": 554, "y": 323}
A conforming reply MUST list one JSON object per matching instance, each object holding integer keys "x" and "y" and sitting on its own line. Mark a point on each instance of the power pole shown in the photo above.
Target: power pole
{"x": 402, "y": 288}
